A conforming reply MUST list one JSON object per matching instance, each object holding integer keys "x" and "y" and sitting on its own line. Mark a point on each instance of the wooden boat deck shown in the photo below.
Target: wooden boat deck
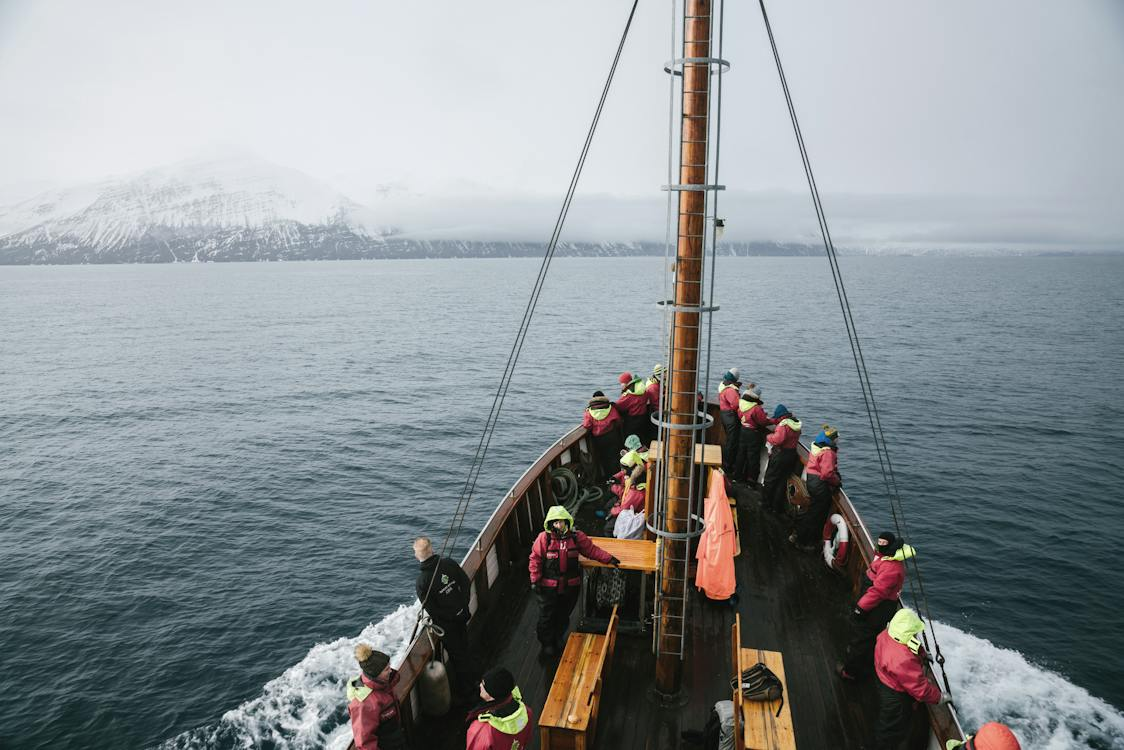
{"x": 789, "y": 602}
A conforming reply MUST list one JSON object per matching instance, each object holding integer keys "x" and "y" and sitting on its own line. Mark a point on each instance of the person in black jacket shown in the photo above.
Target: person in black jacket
{"x": 444, "y": 591}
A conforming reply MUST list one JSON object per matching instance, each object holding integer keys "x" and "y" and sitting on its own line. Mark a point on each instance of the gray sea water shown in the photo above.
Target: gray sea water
{"x": 209, "y": 474}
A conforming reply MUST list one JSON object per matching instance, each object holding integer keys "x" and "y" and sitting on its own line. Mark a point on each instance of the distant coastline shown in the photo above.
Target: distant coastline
{"x": 321, "y": 243}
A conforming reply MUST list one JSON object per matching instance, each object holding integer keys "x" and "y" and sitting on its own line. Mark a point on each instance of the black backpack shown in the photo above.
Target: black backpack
{"x": 758, "y": 683}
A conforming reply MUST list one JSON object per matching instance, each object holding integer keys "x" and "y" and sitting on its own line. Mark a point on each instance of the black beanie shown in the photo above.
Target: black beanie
{"x": 371, "y": 661}
{"x": 499, "y": 683}
{"x": 892, "y": 545}
{"x": 598, "y": 394}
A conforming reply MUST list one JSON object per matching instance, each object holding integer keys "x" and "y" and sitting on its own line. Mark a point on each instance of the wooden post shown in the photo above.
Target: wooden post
{"x": 685, "y": 344}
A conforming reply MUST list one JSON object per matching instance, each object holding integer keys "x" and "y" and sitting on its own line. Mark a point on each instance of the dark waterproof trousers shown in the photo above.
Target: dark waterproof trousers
{"x": 895, "y": 713}
{"x": 749, "y": 455}
{"x": 809, "y": 527}
{"x": 733, "y": 427}
{"x": 555, "y": 606}
{"x": 859, "y": 661}
{"x": 607, "y": 452}
{"x": 774, "y": 495}
{"x": 464, "y": 674}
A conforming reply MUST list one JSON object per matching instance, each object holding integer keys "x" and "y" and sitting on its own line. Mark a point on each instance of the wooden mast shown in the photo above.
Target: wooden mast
{"x": 683, "y": 405}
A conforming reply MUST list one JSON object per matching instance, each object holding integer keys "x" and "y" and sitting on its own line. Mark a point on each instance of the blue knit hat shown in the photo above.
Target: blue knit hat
{"x": 780, "y": 411}
{"x": 822, "y": 439}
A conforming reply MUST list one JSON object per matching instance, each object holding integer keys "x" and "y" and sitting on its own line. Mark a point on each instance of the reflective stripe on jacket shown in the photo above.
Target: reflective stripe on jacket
{"x": 754, "y": 417}
{"x": 633, "y": 404}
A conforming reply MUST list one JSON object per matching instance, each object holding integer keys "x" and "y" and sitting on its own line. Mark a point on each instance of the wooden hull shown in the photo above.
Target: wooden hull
{"x": 785, "y": 595}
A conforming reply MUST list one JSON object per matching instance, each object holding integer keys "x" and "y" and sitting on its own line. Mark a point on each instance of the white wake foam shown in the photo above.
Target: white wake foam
{"x": 305, "y": 707}
{"x": 1045, "y": 711}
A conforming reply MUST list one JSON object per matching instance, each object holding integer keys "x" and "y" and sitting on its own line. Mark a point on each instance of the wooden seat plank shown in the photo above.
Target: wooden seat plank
{"x": 569, "y": 715}
{"x": 634, "y": 554}
{"x": 705, "y": 453}
{"x": 763, "y": 730}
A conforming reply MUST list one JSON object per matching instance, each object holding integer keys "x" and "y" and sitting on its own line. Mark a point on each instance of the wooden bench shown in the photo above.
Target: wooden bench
{"x": 569, "y": 716}
{"x": 706, "y": 454}
{"x": 756, "y": 723}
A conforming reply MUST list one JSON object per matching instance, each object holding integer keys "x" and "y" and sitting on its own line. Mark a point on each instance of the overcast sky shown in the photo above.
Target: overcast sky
{"x": 1013, "y": 100}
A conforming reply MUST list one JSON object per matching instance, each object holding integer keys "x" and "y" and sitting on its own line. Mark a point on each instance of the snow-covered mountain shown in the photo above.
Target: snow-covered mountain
{"x": 225, "y": 208}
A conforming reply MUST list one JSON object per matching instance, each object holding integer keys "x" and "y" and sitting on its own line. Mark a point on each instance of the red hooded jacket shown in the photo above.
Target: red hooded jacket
{"x": 378, "y": 710}
{"x": 728, "y": 398}
{"x": 632, "y": 500}
{"x": 633, "y": 404}
{"x": 824, "y": 463}
{"x": 484, "y": 736}
{"x": 554, "y": 559}
{"x": 784, "y": 436}
{"x": 902, "y": 670}
{"x": 755, "y": 418}
{"x": 598, "y": 427}
{"x": 887, "y": 576}
{"x": 653, "y": 394}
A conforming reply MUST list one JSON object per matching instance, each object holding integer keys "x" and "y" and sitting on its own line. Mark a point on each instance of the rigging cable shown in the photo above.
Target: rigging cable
{"x": 485, "y": 441}
{"x": 881, "y": 446}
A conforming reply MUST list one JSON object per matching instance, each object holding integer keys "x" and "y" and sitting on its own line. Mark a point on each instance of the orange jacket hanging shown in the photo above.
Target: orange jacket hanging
{"x": 715, "y": 575}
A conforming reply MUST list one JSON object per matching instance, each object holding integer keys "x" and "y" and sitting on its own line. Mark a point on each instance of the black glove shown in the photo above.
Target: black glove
{"x": 614, "y": 562}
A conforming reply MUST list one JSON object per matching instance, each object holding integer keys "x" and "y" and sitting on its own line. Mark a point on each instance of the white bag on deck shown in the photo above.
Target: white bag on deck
{"x": 629, "y": 525}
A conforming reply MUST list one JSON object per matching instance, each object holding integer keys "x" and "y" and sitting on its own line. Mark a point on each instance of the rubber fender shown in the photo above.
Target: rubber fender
{"x": 434, "y": 693}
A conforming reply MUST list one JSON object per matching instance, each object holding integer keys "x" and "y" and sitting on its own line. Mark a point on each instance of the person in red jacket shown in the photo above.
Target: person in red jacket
{"x": 503, "y": 721}
{"x": 603, "y": 420}
{"x": 652, "y": 389}
{"x": 782, "y": 458}
{"x": 556, "y": 574}
{"x": 376, "y": 723}
{"x": 754, "y": 427}
{"x": 633, "y": 405}
{"x": 885, "y": 577}
{"x": 728, "y": 413}
{"x": 899, "y": 662}
{"x": 823, "y": 480}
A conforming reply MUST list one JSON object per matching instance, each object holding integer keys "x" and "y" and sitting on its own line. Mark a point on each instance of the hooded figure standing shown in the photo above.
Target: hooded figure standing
{"x": 874, "y": 609}
{"x": 782, "y": 458}
{"x": 444, "y": 591}
{"x": 823, "y": 481}
{"x": 728, "y": 412}
{"x": 376, "y": 722}
{"x": 603, "y": 420}
{"x": 502, "y": 721}
{"x": 633, "y": 405}
{"x": 899, "y": 662}
{"x": 556, "y": 574}
{"x": 754, "y": 428}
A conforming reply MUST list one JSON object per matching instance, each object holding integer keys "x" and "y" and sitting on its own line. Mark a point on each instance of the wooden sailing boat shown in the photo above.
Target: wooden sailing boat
{"x": 621, "y": 691}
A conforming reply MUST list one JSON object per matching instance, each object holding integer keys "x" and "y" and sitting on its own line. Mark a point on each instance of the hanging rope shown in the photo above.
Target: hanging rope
{"x": 881, "y": 446}
{"x": 457, "y": 521}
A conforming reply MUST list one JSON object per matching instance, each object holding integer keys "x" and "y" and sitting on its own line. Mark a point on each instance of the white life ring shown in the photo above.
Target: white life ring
{"x": 836, "y": 540}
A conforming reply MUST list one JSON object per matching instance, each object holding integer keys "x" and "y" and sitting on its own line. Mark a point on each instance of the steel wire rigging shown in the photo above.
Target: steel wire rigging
{"x": 475, "y": 468}
{"x": 881, "y": 446}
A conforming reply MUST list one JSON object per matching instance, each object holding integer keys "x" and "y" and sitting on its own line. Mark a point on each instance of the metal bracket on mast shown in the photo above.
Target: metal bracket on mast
{"x": 691, "y": 187}
{"x": 675, "y": 67}
{"x": 670, "y": 305}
